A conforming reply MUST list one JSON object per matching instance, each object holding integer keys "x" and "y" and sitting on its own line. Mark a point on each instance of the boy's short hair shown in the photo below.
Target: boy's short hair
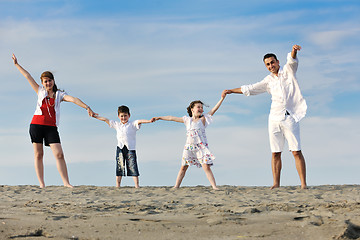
{"x": 269, "y": 55}
{"x": 123, "y": 109}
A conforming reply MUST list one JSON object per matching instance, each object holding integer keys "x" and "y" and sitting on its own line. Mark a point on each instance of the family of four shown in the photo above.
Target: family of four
{"x": 288, "y": 107}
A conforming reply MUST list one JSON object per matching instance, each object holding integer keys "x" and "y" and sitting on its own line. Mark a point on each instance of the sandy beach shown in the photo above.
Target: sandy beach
{"x": 233, "y": 212}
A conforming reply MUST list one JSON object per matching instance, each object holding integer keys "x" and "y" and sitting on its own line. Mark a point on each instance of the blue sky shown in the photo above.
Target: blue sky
{"x": 156, "y": 57}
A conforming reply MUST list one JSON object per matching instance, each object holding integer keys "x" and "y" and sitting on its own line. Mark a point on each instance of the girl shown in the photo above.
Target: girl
{"x": 44, "y": 123}
{"x": 196, "y": 151}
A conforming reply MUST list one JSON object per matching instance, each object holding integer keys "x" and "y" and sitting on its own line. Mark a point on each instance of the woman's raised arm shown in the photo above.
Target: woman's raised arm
{"x": 27, "y": 75}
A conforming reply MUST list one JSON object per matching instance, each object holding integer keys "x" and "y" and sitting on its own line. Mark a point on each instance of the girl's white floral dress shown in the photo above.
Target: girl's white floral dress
{"x": 196, "y": 150}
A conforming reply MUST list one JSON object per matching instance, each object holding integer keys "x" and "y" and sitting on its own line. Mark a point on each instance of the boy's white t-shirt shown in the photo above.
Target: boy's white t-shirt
{"x": 126, "y": 133}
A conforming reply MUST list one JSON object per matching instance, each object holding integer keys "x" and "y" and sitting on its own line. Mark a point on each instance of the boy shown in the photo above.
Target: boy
{"x": 126, "y": 136}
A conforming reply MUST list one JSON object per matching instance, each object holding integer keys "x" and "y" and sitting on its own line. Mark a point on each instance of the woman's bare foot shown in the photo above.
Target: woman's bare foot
{"x": 275, "y": 186}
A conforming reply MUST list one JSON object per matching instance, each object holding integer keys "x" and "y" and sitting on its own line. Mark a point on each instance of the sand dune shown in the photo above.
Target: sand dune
{"x": 233, "y": 212}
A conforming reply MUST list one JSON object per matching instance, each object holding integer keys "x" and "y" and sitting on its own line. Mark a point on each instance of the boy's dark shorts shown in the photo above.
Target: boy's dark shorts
{"x": 42, "y": 133}
{"x": 126, "y": 158}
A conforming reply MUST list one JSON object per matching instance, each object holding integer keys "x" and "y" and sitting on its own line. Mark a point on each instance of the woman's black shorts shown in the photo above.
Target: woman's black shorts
{"x": 43, "y": 133}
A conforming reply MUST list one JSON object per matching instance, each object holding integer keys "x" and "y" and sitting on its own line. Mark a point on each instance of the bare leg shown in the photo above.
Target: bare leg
{"x": 39, "y": 164}
{"x": 118, "y": 181}
{"x": 136, "y": 181}
{"x": 60, "y": 163}
{"x": 180, "y": 176}
{"x": 276, "y": 169}
{"x": 209, "y": 175}
{"x": 300, "y": 167}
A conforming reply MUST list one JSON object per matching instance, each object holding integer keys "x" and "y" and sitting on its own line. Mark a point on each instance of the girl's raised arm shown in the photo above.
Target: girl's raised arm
{"x": 27, "y": 75}
{"x": 216, "y": 107}
{"x": 168, "y": 118}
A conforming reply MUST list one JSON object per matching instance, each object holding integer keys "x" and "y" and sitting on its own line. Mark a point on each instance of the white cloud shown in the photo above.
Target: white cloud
{"x": 333, "y": 38}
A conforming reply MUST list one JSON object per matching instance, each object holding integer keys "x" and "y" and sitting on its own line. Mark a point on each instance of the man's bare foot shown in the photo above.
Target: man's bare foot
{"x": 68, "y": 185}
{"x": 304, "y": 187}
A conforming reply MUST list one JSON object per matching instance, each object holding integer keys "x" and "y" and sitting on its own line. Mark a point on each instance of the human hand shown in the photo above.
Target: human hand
{"x": 224, "y": 93}
{"x": 154, "y": 119}
{"x": 296, "y": 48}
{"x": 294, "y": 51}
{"x": 14, "y": 59}
{"x": 91, "y": 113}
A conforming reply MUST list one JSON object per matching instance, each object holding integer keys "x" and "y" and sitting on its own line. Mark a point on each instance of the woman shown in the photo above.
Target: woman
{"x": 43, "y": 127}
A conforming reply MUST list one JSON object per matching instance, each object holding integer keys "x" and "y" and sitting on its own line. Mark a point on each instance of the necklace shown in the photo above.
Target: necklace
{"x": 47, "y": 101}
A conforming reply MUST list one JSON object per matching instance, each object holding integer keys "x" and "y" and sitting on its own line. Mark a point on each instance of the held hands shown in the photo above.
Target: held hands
{"x": 225, "y": 92}
{"x": 154, "y": 119}
{"x": 91, "y": 113}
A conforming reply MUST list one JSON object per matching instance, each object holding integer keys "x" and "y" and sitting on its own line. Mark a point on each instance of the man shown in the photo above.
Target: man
{"x": 288, "y": 107}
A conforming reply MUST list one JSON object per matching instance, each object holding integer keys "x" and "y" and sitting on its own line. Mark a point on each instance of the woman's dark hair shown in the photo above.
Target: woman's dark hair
{"x": 192, "y": 104}
{"x": 123, "y": 109}
{"x": 51, "y": 76}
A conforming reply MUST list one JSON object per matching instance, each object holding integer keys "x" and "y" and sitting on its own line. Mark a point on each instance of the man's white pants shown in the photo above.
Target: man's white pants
{"x": 287, "y": 129}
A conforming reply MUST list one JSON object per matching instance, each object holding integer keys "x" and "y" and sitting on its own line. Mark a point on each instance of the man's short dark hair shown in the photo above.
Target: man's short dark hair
{"x": 123, "y": 109}
{"x": 269, "y": 55}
